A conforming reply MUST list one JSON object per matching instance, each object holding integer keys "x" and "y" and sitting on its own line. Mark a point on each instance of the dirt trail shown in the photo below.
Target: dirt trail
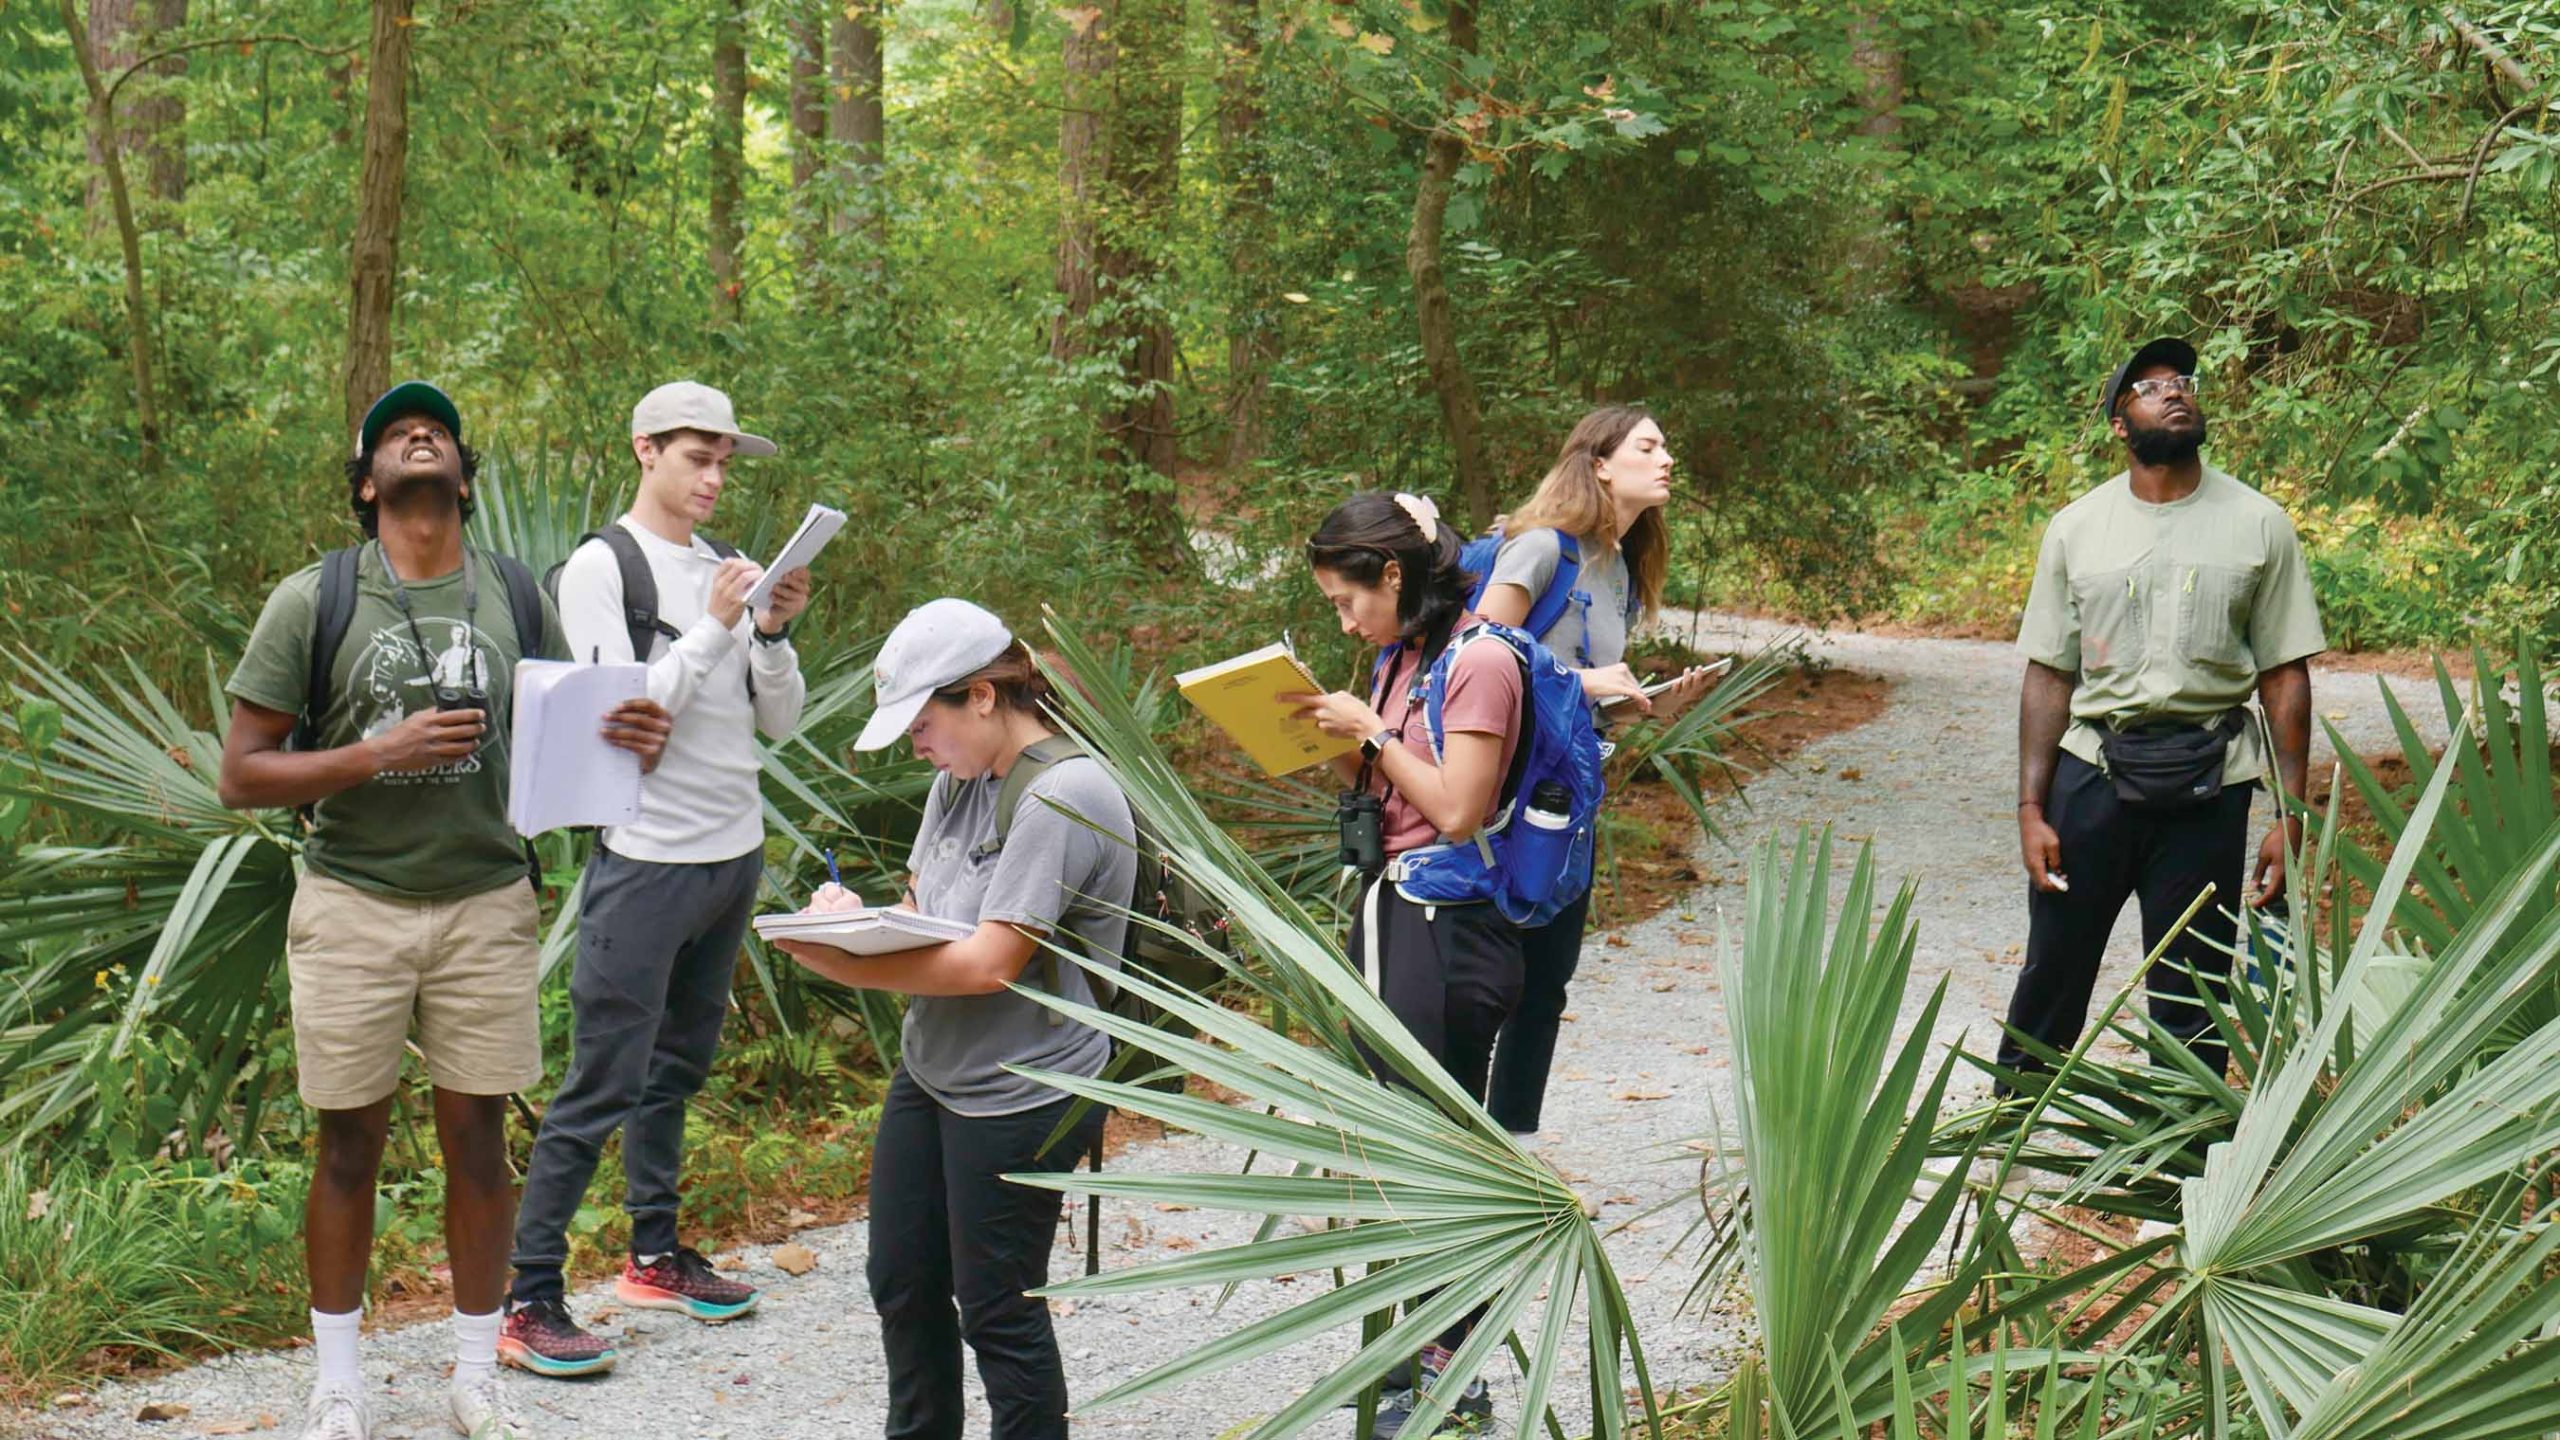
{"x": 1929, "y": 782}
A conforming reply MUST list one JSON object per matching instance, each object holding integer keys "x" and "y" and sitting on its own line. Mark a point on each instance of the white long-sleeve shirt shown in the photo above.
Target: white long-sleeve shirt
{"x": 702, "y": 802}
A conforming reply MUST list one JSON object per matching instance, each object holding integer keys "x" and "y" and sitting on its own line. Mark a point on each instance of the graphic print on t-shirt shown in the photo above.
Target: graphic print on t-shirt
{"x": 390, "y": 681}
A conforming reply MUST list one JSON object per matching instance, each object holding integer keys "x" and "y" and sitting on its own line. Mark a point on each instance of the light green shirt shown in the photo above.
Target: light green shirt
{"x": 2169, "y": 612}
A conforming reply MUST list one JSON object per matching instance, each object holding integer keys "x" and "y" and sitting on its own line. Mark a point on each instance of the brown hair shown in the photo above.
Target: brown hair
{"x": 1572, "y": 499}
{"x": 1020, "y": 683}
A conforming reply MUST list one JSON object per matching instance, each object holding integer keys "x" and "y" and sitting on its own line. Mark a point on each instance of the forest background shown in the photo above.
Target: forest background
{"x": 1097, "y": 305}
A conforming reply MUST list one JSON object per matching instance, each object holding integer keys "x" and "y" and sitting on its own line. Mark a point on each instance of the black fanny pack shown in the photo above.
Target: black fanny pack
{"x": 2169, "y": 767}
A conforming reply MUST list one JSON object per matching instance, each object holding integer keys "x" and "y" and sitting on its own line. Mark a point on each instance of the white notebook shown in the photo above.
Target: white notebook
{"x": 816, "y": 528}
{"x": 863, "y": 932}
{"x": 560, "y": 769}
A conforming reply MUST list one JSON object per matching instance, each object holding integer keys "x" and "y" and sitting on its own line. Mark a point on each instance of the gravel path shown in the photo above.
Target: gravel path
{"x": 1929, "y": 782}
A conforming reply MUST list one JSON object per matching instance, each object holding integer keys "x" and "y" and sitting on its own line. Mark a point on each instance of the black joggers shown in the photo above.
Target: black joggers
{"x": 1451, "y": 973}
{"x": 2112, "y": 851}
{"x": 1549, "y": 954}
{"x": 954, "y": 1248}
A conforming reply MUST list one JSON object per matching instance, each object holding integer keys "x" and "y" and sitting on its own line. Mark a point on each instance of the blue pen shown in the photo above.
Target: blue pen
{"x": 831, "y": 868}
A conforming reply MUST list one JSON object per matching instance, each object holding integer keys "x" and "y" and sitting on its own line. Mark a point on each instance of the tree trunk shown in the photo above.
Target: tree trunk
{"x": 1252, "y": 340}
{"x": 999, "y": 15}
{"x": 1876, "y": 53}
{"x": 1084, "y": 161}
{"x": 150, "y": 114}
{"x": 808, "y": 116}
{"x": 146, "y": 400}
{"x": 1455, "y": 389}
{"x": 728, "y": 155}
{"x": 857, "y": 120}
{"x": 374, "y": 264}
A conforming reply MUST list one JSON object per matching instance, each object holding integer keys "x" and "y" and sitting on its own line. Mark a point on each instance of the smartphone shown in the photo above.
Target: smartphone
{"x": 1656, "y": 687}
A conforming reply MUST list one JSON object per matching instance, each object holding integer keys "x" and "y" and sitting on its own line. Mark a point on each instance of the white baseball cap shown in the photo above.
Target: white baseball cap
{"x": 686, "y": 405}
{"x": 939, "y": 643}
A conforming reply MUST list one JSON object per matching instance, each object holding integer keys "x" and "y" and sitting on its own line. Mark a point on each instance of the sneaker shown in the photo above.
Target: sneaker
{"x": 1472, "y": 1415}
{"x": 482, "y": 1411}
{"x": 337, "y": 1412}
{"x": 540, "y": 1336}
{"x": 685, "y": 1281}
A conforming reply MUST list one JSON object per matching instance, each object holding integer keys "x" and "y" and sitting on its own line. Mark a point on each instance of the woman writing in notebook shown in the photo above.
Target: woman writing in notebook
{"x": 1580, "y": 565}
{"x": 946, "y": 1231}
{"x": 1451, "y": 973}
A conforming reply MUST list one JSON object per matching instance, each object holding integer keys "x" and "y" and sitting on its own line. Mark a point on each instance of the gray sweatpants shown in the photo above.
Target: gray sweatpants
{"x": 656, "y": 946}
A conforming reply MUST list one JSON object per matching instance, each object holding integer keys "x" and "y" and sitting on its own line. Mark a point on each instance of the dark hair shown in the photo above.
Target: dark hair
{"x": 1018, "y": 681}
{"x": 665, "y": 438}
{"x": 1365, "y": 532}
{"x": 368, "y": 514}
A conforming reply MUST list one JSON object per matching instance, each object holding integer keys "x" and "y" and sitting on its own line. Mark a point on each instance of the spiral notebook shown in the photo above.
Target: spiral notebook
{"x": 863, "y": 932}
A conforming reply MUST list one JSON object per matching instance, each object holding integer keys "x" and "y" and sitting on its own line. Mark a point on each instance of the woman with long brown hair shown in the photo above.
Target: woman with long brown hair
{"x": 1599, "y": 511}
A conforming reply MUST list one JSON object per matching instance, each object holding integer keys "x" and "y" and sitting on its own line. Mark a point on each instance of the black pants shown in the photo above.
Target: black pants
{"x": 1451, "y": 973}
{"x": 656, "y": 947}
{"x": 954, "y": 1248}
{"x": 2112, "y": 851}
{"x": 1522, "y": 1058}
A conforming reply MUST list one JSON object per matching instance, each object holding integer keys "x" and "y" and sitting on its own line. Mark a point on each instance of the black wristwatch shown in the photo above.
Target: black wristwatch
{"x": 1371, "y": 747}
{"x": 776, "y": 638}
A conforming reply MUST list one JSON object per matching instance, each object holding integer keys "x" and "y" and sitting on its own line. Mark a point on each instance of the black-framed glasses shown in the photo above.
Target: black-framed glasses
{"x": 2159, "y": 385}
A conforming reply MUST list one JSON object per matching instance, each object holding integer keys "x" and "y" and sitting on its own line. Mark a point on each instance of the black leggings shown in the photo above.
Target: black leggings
{"x": 954, "y": 1248}
{"x": 1549, "y": 954}
{"x": 1451, "y": 973}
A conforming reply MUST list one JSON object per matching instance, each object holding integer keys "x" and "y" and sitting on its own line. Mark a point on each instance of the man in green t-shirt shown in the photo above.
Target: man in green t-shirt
{"x": 2163, "y": 600}
{"x": 413, "y": 902}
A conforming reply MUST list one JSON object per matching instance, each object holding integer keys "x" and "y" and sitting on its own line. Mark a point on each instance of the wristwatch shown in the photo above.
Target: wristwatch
{"x": 776, "y": 638}
{"x": 1371, "y": 747}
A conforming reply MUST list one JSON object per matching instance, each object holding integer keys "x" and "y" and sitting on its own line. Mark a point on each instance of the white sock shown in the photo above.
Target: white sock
{"x": 333, "y": 1338}
{"x": 475, "y": 1346}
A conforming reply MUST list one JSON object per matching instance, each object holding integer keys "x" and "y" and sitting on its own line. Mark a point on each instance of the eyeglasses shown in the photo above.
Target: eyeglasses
{"x": 2159, "y": 385}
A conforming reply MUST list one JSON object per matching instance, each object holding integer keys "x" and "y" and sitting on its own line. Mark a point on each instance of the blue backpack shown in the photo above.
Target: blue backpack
{"x": 1533, "y": 858}
{"x": 1476, "y": 558}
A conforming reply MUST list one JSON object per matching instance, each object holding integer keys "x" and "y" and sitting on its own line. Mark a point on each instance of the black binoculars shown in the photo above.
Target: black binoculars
{"x": 1363, "y": 819}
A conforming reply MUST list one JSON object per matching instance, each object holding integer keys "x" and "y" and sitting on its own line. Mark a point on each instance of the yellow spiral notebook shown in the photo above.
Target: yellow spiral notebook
{"x": 1243, "y": 696}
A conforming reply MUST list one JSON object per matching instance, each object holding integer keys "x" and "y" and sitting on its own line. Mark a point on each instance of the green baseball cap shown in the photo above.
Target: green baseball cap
{"x": 409, "y": 397}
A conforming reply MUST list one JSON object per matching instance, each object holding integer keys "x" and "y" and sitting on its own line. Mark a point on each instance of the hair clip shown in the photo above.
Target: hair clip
{"x": 1424, "y": 514}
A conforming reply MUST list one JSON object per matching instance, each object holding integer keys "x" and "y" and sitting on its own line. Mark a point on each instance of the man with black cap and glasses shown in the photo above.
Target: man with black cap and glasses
{"x": 2162, "y": 601}
{"x": 376, "y": 692}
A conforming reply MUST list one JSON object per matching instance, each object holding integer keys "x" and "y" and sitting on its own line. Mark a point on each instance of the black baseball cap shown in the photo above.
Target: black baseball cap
{"x": 409, "y": 397}
{"x": 2167, "y": 350}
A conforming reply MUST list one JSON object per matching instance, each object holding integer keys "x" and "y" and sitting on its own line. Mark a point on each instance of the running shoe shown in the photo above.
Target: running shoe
{"x": 482, "y": 1411}
{"x": 337, "y": 1412}
{"x": 540, "y": 1336}
{"x": 685, "y": 1281}
{"x": 1471, "y": 1415}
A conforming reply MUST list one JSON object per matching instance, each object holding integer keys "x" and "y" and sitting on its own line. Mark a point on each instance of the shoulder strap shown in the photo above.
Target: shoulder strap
{"x": 333, "y": 612}
{"x": 721, "y": 548}
{"x": 639, "y": 589}
{"x": 524, "y": 603}
{"x": 1035, "y": 758}
{"x": 1548, "y": 608}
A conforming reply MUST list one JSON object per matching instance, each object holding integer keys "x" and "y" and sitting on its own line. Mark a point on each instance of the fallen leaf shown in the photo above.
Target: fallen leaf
{"x": 228, "y": 1427}
{"x": 1698, "y": 1049}
{"x": 1171, "y": 1207}
{"x": 70, "y": 1397}
{"x": 39, "y": 1204}
{"x": 1661, "y": 985}
{"x": 159, "y": 1410}
{"x": 266, "y": 1419}
{"x": 1617, "y": 942}
{"x": 798, "y": 1220}
{"x": 1062, "y": 1308}
{"x": 1852, "y": 772}
{"x": 795, "y": 1259}
{"x": 1568, "y": 1017}
{"x": 1180, "y": 1242}
{"x": 1619, "y": 1200}
{"x": 1642, "y": 1095}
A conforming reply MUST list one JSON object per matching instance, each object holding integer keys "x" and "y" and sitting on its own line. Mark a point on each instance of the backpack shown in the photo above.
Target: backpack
{"x": 639, "y": 589}
{"x": 1528, "y": 868}
{"x": 1163, "y": 895}
{"x": 335, "y": 609}
{"x": 1476, "y": 558}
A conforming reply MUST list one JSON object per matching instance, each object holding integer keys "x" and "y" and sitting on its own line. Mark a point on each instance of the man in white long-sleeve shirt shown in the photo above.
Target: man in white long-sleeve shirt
{"x": 668, "y": 896}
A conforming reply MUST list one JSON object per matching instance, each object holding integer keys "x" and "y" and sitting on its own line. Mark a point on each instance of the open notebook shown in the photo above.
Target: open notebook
{"x": 863, "y": 932}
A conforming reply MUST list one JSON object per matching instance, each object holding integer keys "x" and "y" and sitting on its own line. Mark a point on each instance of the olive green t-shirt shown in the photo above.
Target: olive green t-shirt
{"x": 422, "y": 835}
{"x": 2169, "y": 612}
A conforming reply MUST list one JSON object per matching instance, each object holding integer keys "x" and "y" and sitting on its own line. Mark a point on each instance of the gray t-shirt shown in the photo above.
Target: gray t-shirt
{"x": 1528, "y": 560}
{"x": 1055, "y": 873}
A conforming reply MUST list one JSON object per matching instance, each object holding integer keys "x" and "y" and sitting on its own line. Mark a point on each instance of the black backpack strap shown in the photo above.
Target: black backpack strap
{"x": 524, "y": 603}
{"x": 332, "y": 612}
{"x": 639, "y": 589}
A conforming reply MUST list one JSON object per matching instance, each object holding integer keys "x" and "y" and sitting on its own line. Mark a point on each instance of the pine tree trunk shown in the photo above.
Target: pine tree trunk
{"x": 1881, "y": 254}
{"x": 728, "y": 155}
{"x": 110, "y": 158}
{"x": 1084, "y": 163}
{"x": 1450, "y": 383}
{"x": 1252, "y": 340}
{"x": 150, "y": 114}
{"x": 808, "y": 116}
{"x": 1146, "y": 157}
{"x": 373, "y": 268}
{"x": 857, "y": 119}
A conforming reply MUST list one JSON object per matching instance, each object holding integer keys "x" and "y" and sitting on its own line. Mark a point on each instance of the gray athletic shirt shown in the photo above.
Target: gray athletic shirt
{"x": 1528, "y": 560}
{"x": 1054, "y": 874}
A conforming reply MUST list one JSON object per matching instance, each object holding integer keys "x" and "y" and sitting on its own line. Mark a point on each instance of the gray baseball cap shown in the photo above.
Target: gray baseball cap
{"x": 685, "y": 405}
{"x": 940, "y": 642}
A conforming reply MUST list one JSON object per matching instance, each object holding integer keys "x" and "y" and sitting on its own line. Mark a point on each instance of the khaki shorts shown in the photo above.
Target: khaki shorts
{"x": 363, "y": 964}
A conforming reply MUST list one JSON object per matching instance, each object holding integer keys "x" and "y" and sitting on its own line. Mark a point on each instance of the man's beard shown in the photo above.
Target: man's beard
{"x": 2159, "y": 445}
